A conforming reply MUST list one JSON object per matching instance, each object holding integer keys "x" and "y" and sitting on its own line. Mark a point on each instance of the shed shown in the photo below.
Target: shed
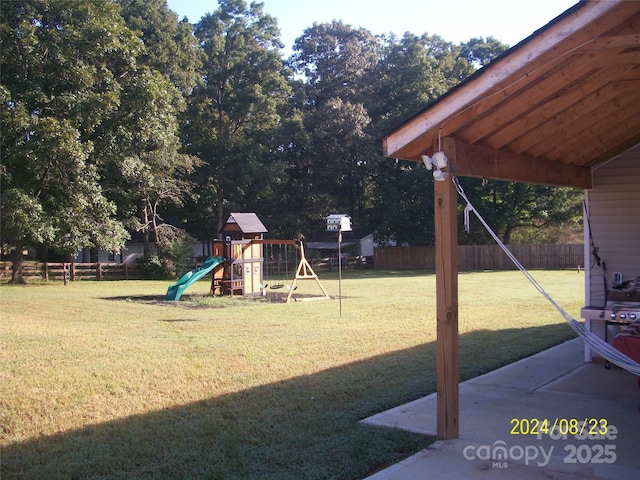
{"x": 560, "y": 108}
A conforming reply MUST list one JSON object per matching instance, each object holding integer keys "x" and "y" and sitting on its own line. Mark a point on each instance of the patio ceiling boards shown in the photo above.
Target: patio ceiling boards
{"x": 561, "y": 101}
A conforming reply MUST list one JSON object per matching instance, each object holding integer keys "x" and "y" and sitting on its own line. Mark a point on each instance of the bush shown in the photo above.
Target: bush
{"x": 173, "y": 255}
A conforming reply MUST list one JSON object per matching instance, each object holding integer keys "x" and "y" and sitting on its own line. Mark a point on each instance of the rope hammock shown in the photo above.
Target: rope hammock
{"x": 598, "y": 345}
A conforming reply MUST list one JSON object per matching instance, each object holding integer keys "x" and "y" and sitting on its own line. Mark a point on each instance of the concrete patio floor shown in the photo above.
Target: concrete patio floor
{"x": 554, "y": 384}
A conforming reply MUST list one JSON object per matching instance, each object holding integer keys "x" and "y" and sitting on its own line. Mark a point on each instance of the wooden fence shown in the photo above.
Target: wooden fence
{"x": 484, "y": 257}
{"x": 75, "y": 271}
{"x": 470, "y": 257}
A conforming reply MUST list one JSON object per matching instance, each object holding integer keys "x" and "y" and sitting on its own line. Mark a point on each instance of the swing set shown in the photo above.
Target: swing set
{"x": 279, "y": 259}
{"x": 276, "y": 263}
{"x": 247, "y": 257}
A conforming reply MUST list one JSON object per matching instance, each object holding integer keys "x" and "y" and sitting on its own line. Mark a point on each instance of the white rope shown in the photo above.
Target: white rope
{"x": 597, "y": 344}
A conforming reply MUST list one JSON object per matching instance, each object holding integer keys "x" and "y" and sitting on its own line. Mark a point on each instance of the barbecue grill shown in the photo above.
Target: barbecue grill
{"x": 621, "y": 309}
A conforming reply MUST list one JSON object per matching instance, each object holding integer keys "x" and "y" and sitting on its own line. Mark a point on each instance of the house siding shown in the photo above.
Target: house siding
{"x": 367, "y": 245}
{"x": 613, "y": 206}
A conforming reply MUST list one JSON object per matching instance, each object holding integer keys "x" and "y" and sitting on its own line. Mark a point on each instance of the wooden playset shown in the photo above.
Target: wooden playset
{"x": 243, "y": 272}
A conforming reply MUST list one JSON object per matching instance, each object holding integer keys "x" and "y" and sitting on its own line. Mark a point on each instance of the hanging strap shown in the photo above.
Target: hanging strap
{"x": 467, "y": 221}
{"x": 597, "y": 344}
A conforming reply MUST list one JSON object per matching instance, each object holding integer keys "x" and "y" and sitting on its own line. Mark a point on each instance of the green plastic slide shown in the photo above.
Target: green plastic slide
{"x": 175, "y": 291}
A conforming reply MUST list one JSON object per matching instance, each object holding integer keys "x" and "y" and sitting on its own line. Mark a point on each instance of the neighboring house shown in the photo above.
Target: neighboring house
{"x": 560, "y": 108}
{"x": 357, "y": 242}
{"x": 130, "y": 254}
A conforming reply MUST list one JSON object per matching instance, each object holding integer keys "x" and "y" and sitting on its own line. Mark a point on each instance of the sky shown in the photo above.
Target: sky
{"x": 510, "y": 21}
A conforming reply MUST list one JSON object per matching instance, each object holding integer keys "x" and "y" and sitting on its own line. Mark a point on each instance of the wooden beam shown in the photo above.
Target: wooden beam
{"x": 483, "y": 162}
{"x": 518, "y": 103}
{"x": 521, "y": 114}
{"x": 447, "y": 367}
{"x": 619, "y": 148}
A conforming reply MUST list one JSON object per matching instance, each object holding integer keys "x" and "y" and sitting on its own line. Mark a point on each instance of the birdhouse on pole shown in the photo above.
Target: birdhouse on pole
{"x": 338, "y": 222}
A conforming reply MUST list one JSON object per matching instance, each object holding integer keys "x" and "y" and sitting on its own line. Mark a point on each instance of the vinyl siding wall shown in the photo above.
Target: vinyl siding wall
{"x": 614, "y": 217}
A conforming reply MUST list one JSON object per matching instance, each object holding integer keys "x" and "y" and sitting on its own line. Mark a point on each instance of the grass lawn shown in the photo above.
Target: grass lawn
{"x": 105, "y": 380}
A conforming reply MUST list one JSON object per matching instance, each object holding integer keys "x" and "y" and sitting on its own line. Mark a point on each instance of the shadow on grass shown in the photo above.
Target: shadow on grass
{"x": 302, "y": 428}
{"x": 206, "y": 301}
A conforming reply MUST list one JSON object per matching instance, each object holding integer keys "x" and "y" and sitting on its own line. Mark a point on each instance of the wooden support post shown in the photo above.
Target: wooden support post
{"x": 447, "y": 367}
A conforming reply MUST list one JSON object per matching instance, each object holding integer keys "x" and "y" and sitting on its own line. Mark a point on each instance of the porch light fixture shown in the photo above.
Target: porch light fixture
{"x": 439, "y": 161}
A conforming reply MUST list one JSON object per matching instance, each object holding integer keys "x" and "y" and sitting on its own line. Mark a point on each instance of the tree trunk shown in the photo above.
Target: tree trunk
{"x": 17, "y": 260}
{"x": 220, "y": 216}
{"x": 146, "y": 251}
{"x": 506, "y": 238}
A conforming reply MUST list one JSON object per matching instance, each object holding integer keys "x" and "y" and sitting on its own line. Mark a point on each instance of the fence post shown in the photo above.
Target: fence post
{"x": 45, "y": 266}
{"x": 99, "y": 268}
{"x": 73, "y": 271}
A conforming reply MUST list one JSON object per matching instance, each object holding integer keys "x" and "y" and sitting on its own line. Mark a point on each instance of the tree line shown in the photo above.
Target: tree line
{"x": 119, "y": 117}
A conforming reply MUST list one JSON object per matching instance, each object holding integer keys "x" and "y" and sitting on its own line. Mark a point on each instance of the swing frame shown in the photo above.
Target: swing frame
{"x": 305, "y": 272}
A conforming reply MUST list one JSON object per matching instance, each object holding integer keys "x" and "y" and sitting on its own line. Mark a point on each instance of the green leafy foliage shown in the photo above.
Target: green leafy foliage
{"x": 84, "y": 120}
{"x": 61, "y": 65}
{"x": 172, "y": 255}
{"x": 233, "y": 115}
{"x": 525, "y": 212}
{"x": 116, "y": 115}
{"x": 169, "y": 44}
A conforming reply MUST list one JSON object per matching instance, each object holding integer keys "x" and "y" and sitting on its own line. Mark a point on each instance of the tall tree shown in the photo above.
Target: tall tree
{"x": 335, "y": 58}
{"x": 402, "y": 204}
{"x": 170, "y": 45}
{"x": 154, "y": 175}
{"x": 342, "y": 151}
{"x": 232, "y": 116}
{"x": 480, "y": 51}
{"x": 337, "y": 62}
{"x": 413, "y": 71}
{"x": 83, "y": 119}
{"x": 60, "y": 70}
